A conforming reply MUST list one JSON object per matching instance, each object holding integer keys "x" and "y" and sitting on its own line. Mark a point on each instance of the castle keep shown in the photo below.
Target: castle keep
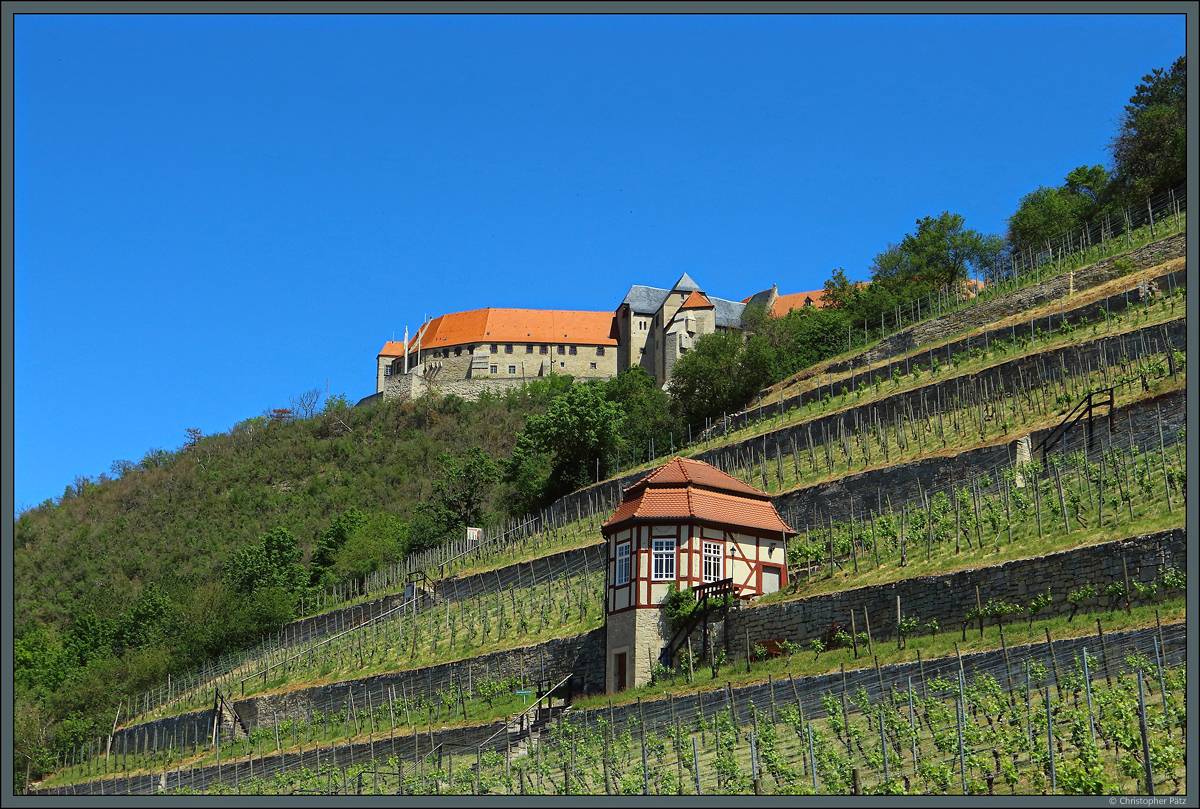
{"x": 466, "y": 353}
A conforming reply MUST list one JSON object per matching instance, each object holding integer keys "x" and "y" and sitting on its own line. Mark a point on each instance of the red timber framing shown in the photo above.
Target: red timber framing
{"x": 691, "y": 503}
{"x": 747, "y": 552}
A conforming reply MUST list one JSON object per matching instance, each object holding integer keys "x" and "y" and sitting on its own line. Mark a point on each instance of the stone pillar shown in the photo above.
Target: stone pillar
{"x": 1024, "y": 447}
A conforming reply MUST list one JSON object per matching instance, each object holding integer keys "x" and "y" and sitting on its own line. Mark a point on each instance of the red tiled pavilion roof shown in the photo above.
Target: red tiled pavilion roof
{"x": 687, "y": 490}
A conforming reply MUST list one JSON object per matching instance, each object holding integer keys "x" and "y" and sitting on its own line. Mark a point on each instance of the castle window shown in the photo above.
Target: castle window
{"x": 493, "y": 369}
{"x": 573, "y": 349}
{"x": 458, "y": 351}
{"x": 663, "y": 560}
{"x": 562, "y": 349}
{"x": 494, "y": 347}
{"x": 508, "y": 348}
{"x": 593, "y": 365}
{"x": 543, "y": 349}
{"x": 529, "y": 349}
{"x": 387, "y": 370}
{"x": 512, "y": 369}
{"x": 621, "y": 570}
{"x": 599, "y": 351}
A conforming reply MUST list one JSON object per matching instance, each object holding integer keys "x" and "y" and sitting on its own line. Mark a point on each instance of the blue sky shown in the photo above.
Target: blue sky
{"x": 213, "y": 214}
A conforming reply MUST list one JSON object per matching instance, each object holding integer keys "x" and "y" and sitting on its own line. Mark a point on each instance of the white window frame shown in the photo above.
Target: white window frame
{"x": 621, "y": 566}
{"x": 713, "y": 561}
{"x": 662, "y": 566}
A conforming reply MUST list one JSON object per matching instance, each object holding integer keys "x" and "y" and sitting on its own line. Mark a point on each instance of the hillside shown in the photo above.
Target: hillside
{"x": 554, "y": 613}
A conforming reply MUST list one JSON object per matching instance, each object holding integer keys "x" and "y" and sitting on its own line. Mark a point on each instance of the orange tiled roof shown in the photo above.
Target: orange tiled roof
{"x": 512, "y": 326}
{"x": 797, "y": 300}
{"x": 683, "y": 489}
{"x": 696, "y": 301}
{"x": 685, "y": 471}
{"x": 392, "y": 348}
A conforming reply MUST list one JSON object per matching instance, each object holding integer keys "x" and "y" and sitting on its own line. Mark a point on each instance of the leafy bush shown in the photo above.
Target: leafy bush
{"x": 678, "y": 606}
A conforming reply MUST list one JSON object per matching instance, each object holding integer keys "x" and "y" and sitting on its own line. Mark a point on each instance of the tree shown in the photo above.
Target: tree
{"x": 325, "y": 553}
{"x": 272, "y": 561}
{"x": 377, "y": 542}
{"x": 1090, "y": 182}
{"x": 1046, "y": 214}
{"x": 579, "y": 431}
{"x": 193, "y": 438}
{"x": 646, "y": 411}
{"x": 942, "y": 252}
{"x": 143, "y": 622}
{"x": 306, "y": 403}
{"x": 527, "y": 471}
{"x": 1149, "y": 150}
{"x": 839, "y": 291}
{"x": 704, "y": 381}
{"x": 461, "y": 490}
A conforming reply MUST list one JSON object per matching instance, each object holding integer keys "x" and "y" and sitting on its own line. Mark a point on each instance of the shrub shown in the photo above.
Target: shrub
{"x": 678, "y": 606}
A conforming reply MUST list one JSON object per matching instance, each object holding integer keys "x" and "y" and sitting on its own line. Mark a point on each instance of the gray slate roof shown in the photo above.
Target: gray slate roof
{"x": 647, "y": 300}
{"x": 685, "y": 284}
{"x": 728, "y": 314}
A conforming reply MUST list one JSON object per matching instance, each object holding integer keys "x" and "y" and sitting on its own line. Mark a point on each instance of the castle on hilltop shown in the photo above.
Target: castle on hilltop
{"x": 466, "y": 353}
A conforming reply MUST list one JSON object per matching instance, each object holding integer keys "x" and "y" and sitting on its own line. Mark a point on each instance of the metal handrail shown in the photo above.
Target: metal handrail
{"x": 703, "y": 592}
{"x": 509, "y": 722}
{"x": 1085, "y": 407}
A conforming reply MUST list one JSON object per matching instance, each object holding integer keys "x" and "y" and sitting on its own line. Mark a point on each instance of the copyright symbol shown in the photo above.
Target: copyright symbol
{"x": 1112, "y": 800}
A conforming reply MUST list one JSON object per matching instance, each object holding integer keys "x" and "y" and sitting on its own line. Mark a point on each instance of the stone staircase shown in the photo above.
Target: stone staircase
{"x": 522, "y": 735}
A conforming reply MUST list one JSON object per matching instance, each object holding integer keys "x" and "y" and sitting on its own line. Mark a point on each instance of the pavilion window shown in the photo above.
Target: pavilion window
{"x": 663, "y": 560}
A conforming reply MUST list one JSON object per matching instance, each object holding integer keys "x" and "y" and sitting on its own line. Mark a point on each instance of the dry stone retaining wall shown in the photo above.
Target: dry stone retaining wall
{"x": 1026, "y": 298}
{"x": 945, "y": 598}
{"x": 901, "y": 484}
{"x": 1032, "y": 371}
{"x": 949, "y": 596}
{"x": 542, "y": 663}
{"x": 662, "y": 713}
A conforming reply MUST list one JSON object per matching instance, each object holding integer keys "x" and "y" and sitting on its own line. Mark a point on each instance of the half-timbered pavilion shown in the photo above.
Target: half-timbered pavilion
{"x": 690, "y": 525}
